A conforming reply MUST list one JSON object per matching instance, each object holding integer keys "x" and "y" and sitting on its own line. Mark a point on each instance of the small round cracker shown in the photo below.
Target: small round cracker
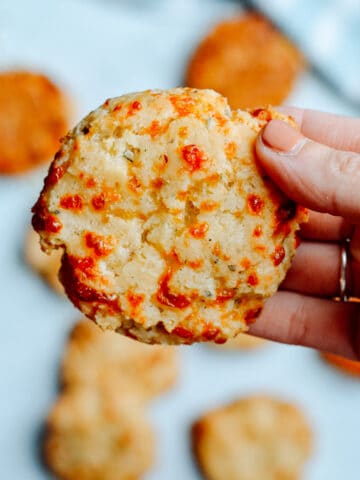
{"x": 97, "y": 434}
{"x": 171, "y": 232}
{"x": 47, "y": 266}
{"x": 34, "y": 115}
{"x": 345, "y": 365}
{"x": 253, "y": 438}
{"x": 247, "y": 60}
{"x": 93, "y": 357}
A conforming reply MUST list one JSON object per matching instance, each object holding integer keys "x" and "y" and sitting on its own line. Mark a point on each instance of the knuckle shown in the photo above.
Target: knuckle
{"x": 298, "y": 325}
{"x": 343, "y": 172}
{"x": 345, "y": 163}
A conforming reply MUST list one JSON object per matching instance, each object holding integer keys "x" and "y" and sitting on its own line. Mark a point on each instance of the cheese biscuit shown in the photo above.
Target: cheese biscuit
{"x": 170, "y": 230}
{"x": 247, "y": 60}
{"x": 34, "y": 115}
{"x": 94, "y": 358}
{"x": 98, "y": 435}
{"x": 251, "y": 439}
{"x": 47, "y": 266}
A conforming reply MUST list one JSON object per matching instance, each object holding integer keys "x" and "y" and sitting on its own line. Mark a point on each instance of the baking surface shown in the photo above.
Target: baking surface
{"x": 97, "y": 51}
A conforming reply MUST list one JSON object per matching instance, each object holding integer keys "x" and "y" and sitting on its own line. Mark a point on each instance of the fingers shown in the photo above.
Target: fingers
{"x": 335, "y": 131}
{"x": 315, "y": 270}
{"x": 316, "y": 176}
{"x": 323, "y": 324}
{"x": 322, "y": 226}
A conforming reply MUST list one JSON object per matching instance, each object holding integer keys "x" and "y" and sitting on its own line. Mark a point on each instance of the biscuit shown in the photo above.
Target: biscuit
{"x": 247, "y": 60}
{"x": 171, "y": 232}
{"x": 243, "y": 341}
{"x": 351, "y": 367}
{"x": 34, "y": 115}
{"x": 97, "y": 435}
{"x": 93, "y": 357}
{"x": 47, "y": 266}
{"x": 251, "y": 439}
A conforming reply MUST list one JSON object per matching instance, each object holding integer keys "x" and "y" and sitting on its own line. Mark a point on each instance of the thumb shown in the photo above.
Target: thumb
{"x": 312, "y": 174}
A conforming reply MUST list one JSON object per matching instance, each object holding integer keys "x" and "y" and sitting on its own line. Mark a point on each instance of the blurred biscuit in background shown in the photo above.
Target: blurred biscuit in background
{"x": 93, "y": 357}
{"x": 254, "y": 438}
{"x": 97, "y": 434}
{"x": 247, "y": 60}
{"x": 47, "y": 266}
{"x": 34, "y": 115}
{"x": 97, "y": 429}
{"x": 351, "y": 367}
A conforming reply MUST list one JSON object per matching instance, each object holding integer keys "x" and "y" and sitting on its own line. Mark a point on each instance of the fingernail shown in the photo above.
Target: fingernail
{"x": 281, "y": 137}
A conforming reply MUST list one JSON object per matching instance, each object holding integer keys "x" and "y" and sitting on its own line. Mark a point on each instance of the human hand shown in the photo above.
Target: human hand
{"x": 320, "y": 169}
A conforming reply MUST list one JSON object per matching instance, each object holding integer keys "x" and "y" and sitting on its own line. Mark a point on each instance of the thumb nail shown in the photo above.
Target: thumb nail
{"x": 281, "y": 137}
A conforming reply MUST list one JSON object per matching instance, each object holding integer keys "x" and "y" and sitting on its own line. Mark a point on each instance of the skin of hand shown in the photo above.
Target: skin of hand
{"x": 318, "y": 166}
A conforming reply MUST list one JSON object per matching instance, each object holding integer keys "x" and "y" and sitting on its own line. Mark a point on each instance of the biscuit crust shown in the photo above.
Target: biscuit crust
{"x": 247, "y": 60}
{"x": 98, "y": 435}
{"x": 170, "y": 231}
{"x": 243, "y": 341}
{"x": 34, "y": 115}
{"x": 94, "y": 358}
{"x": 253, "y": 438}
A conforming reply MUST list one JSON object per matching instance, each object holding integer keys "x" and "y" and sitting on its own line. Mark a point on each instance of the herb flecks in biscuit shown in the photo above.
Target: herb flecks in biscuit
{"x": 253, "y": 438}
{"x": 171, "y": 233}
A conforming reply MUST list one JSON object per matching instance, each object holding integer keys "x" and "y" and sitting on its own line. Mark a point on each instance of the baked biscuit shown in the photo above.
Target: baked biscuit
{"x": 247, "y": 60}
{"x": 251, "y": 439}
{"x": 34, "y": 115}
{"x": 171, "y": 233}
{"x": 93, "y": 357}
{"x": 351, "y": 367}
{"x": 47, "y": 266}
{"x": 243, "y": 341}
{"x": 97, "y": 435}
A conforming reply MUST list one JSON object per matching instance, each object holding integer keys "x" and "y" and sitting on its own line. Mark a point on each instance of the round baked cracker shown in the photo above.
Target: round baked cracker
{"x": 98, "y": 435}
{"x": 351, "y": 367}
{"x": 93, "y": 357}
{"x": 47, "y": 266}
{"x": 171, "y": 232}
{"x": 253, "y": 438}
{"x": 34, "y": 115}
{"x": 247, "y": 60}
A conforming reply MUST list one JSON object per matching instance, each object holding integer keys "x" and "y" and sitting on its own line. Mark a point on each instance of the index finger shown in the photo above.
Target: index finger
{"x": 336, "y": 131}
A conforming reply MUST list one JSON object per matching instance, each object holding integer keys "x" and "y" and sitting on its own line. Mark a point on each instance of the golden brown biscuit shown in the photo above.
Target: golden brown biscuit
{"x": 93, "y": 357}
{"x": 247, "y": 60}
{"x": 243, "y": 341}
{"x": 255, "y": 438}
{"x": 98, "y": 435}
{"x": 171, "y": 232}
{"x": 351, "y": 367}
{"x": 34, "y": 115}
{"x": 47, "y": 266}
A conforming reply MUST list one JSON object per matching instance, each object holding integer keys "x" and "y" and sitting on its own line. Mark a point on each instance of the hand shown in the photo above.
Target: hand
{"x": 320, "y": 169}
